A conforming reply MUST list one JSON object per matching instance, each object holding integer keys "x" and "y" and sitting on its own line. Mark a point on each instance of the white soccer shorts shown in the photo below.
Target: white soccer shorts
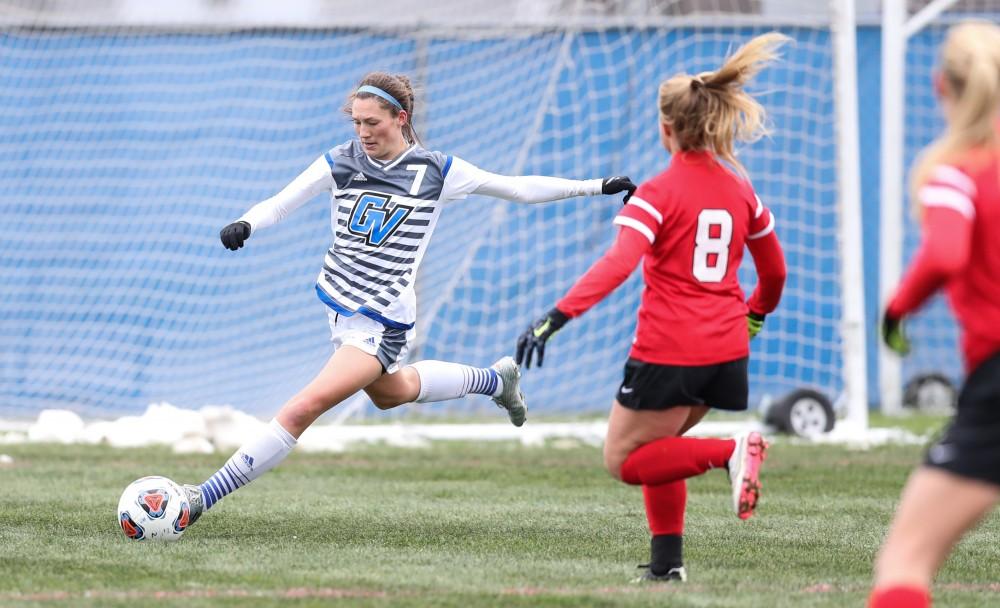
{"x": 390, "y": 346}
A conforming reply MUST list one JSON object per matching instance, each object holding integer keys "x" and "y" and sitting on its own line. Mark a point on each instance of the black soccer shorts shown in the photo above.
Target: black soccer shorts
{"x": 970, "y": 446}
{"x": 648, "y": 386}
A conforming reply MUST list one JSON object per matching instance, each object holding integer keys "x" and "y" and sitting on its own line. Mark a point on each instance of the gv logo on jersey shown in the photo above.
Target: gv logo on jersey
{"x": 372, "y": 218}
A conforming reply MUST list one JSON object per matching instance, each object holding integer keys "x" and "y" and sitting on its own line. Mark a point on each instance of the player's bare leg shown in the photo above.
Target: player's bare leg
{"x": 926, "y": 527}
{"x": 346, "y": 372}
{"x": 628, "y": 429}
{"x": 395, "y": 389}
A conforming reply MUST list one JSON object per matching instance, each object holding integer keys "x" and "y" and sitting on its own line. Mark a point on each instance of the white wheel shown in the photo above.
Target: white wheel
{"x": 808, "y": 417}
{"x": 803, "y": 412}
{"x": 930, "y": 394}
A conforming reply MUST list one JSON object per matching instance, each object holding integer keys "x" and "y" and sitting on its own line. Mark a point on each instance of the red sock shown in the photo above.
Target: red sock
{"x": 899, "y": 596}
{"x": 673, "y": 458}
{"x": 665, "y": 505}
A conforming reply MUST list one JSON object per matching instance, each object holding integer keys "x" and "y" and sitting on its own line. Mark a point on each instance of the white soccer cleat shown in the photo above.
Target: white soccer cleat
{"x": 511, "y": 398}
{"x": 678, "y": 574}
{"x": 744, "y": 472}
{"x": 195, "y": 500}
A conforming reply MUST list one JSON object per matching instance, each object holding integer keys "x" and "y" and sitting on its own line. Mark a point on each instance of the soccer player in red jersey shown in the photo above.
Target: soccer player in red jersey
{"x": 691, "y": 346}
{"x": 956, "y": 188}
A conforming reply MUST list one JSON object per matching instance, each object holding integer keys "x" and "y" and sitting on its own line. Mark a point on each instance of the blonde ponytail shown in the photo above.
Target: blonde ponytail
{"x": 711, "y": 110}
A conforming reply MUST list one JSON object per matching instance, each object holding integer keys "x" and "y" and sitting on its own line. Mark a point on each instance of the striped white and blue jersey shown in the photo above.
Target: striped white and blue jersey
{"x": 383, "y": 215}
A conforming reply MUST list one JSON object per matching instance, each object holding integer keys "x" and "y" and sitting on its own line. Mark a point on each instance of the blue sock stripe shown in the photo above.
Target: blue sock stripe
{"x": 216, "y": 487}
{"x": 220, "y": 479}
{"x": 234, "y": 481}
{"x": 206, "y": 492}
{"x": 237, "y": 476}
{"x": 480, "y": 381}
{"x": 494, "y": 377}
{"x": 225, "y": 481}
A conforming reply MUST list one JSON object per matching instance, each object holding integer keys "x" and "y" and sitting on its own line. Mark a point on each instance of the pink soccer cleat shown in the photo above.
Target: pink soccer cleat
{"x": 744, "y": 472}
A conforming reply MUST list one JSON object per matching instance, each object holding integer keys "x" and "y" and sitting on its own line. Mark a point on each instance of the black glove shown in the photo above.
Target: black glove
{"x": 618, "y": 183}
{"x": 533, "y": 339}
{"x": 894, "y": 336}
{"x": 755, "y": 323}
{"x": 234, "y": 234}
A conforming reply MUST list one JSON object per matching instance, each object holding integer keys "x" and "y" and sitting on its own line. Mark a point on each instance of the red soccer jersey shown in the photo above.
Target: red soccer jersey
{"x": 961, "y": 251}
{"x": 697, "y": 215}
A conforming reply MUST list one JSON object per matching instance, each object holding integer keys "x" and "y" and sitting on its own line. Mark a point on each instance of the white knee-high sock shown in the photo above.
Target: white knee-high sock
{"x": 254, "y": 458}
{"x": 441, "y": 380}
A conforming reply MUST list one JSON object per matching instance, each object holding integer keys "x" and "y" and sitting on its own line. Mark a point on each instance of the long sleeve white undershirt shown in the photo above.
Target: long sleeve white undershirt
{"x": 463, "y": 179}
{"x": 303, "y": 188}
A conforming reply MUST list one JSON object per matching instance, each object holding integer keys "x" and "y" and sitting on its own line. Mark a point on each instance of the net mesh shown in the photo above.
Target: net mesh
{"x": 124, "y": 150}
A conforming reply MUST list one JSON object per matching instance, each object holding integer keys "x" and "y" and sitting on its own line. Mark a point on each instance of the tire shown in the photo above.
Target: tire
{"x": 930, "y": 394}
{"x": 803, "y": 412}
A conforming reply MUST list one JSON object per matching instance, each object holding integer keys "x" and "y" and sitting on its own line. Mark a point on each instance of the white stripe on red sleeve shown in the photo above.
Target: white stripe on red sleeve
{"x": 636, "y": 225}
{"x": 947, "y": 196}
{"x": 766, "y": 231}
{"x": 648, "y": 208}
{"x": 946, "y": 175}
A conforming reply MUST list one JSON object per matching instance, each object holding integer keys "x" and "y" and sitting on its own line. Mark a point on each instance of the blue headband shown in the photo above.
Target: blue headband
{"x": 377, "y": 91}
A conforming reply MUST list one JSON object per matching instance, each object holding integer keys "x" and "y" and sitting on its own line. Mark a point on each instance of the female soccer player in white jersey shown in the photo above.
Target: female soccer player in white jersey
{"x": 690, "y": 351}
{"x": 956, "y": 189}
{"x": 387, "y": 193}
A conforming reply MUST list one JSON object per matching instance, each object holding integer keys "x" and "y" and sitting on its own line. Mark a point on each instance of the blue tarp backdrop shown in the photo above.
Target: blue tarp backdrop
{"x": 122, "y": 155}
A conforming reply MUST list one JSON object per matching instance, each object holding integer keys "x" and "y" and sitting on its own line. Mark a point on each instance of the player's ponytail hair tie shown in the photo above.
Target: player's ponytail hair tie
{"x": 697, "y": 83}
{"x": 380, "y": 93}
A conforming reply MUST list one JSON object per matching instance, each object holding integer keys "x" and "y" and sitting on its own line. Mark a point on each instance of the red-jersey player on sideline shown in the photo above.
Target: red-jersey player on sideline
{"x": 956, "y": 187}
{"x": 690, "y": 352}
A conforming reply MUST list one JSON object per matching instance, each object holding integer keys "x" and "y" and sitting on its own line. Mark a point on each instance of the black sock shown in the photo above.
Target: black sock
{"x": 666, "y": 553}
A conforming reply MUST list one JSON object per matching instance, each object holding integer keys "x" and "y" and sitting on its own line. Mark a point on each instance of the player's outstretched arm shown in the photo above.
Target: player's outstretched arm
{"x": 269, "y": 212}
{"x": 465, "y": 178}
{"x": 603, "y": 277}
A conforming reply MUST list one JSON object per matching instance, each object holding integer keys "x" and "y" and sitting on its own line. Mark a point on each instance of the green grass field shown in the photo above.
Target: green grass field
{"x": 459, "y": 525}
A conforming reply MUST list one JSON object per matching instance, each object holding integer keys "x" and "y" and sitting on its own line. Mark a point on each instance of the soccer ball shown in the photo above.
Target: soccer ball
{"x": 153, "y": 508}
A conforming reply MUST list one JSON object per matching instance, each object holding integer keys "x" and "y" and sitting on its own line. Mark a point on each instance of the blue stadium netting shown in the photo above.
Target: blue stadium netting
{"x": 122, "y": 154}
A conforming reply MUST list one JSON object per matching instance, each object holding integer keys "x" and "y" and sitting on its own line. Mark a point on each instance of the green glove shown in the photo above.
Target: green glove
{"x": 755, "y": 323}
{"x": 894, "y": 336}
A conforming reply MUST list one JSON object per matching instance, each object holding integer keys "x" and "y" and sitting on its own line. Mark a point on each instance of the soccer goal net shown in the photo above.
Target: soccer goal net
{"x": 127, "y": 140}
{"x": 912, "y": 119}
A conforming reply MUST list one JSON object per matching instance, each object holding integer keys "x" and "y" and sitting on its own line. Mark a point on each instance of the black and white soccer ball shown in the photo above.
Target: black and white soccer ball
{"x": 153, "y": 509}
